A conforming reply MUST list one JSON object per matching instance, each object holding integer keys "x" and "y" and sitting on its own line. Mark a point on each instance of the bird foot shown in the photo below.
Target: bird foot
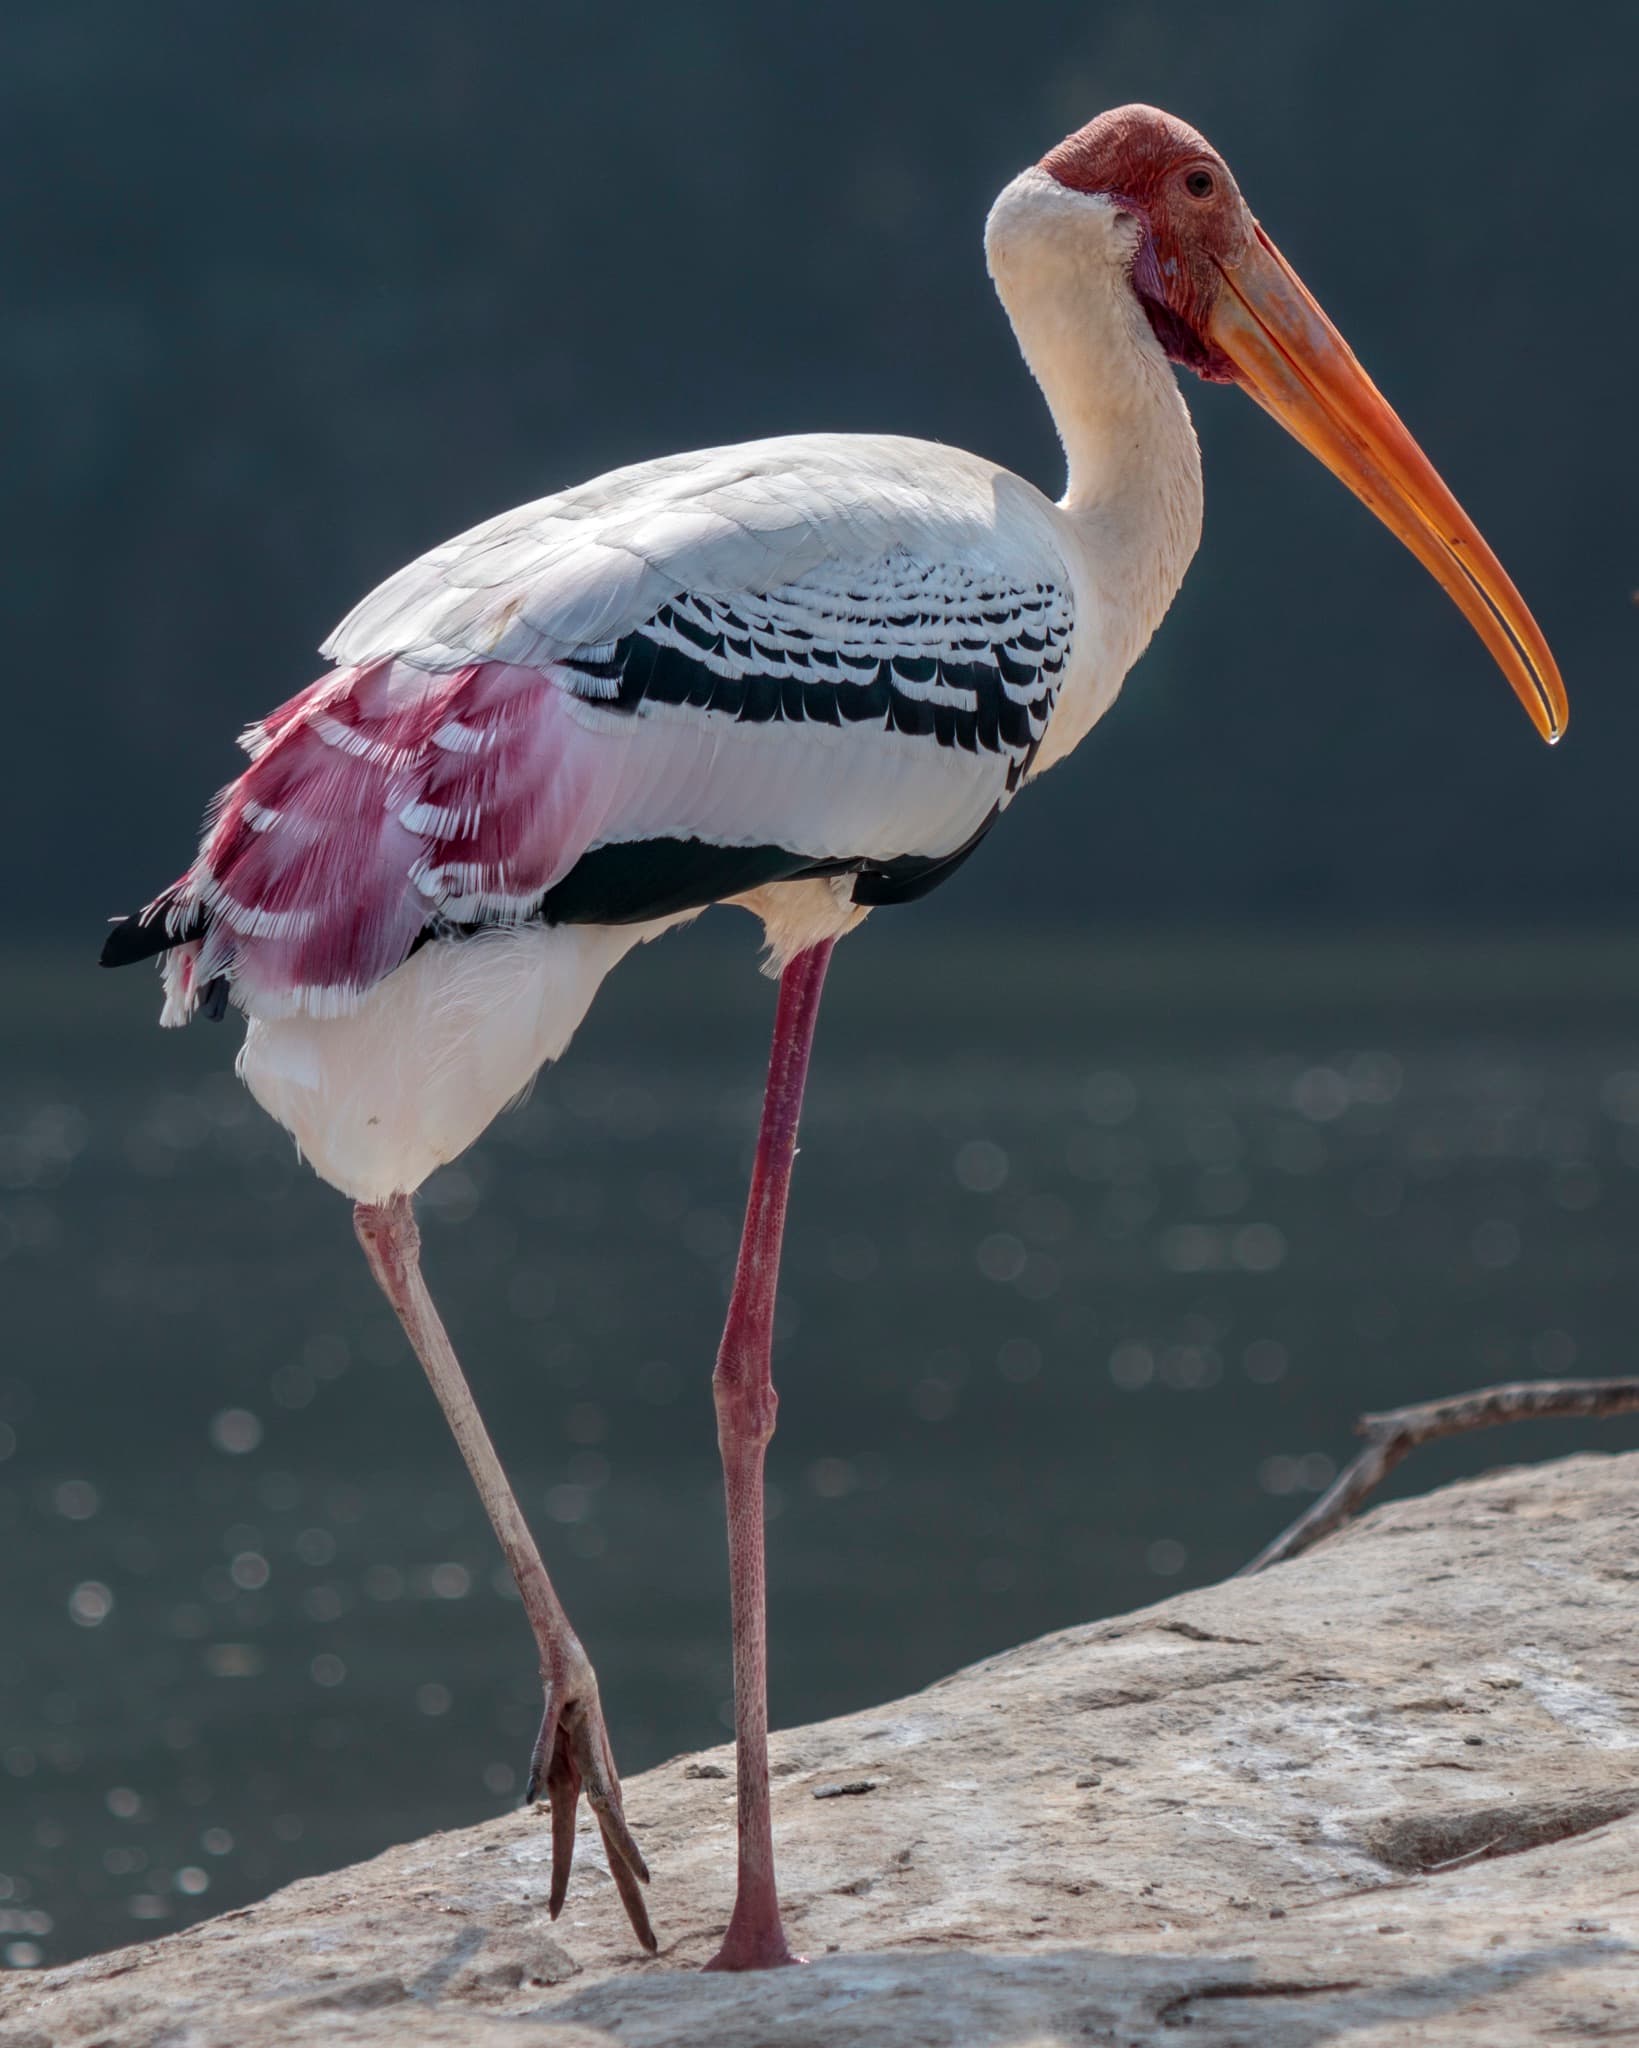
{"x": 753, "y": 1956}
{"x": 571, "y": 1756}
{"x": 755, "y": 1939}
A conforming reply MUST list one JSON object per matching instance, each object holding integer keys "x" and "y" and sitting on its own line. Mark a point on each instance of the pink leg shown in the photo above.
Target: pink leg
{"x": 746, "y": 1404}
{"x": 572, "y": 1753}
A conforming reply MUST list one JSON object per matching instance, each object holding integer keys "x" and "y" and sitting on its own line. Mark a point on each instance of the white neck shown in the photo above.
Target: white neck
{"x": 1062, "y": 264}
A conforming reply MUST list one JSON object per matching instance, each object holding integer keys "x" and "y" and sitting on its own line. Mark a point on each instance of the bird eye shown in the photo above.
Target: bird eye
{"x": 1200, "y": 184}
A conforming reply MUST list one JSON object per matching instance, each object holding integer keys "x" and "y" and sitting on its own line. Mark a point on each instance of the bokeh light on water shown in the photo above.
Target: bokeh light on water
{"x": 1089, "y": 1272}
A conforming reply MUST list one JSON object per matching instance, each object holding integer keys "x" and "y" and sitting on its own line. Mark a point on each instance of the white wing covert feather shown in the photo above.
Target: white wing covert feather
{"x": 681, "y": 680}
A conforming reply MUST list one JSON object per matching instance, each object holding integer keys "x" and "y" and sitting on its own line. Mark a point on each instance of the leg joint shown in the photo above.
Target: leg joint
{"x": 746, "y": 1408}
{"x": 388, "y": 1231}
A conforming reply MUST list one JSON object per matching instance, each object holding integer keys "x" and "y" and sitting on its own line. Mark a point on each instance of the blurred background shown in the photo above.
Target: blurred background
{"x": 1309, "y": 1083}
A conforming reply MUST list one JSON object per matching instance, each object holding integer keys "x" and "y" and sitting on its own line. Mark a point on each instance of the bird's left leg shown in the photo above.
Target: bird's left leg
{"x": 743, "y": 1387}
{"x": 572, "y": 1753}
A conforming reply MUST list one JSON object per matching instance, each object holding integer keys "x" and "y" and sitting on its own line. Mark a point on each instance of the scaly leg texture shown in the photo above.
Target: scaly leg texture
{"x": 572, "y": 1754}
{"x": 743, "y": 1386}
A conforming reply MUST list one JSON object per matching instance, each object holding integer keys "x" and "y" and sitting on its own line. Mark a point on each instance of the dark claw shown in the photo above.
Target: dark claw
{"x": 597, "y": 1772}
{"x": 563, "y": 1790}
{"x": 572, "y": 1756}
{"x": 539, "y": 1759}
{"x": 631, "y": 1896}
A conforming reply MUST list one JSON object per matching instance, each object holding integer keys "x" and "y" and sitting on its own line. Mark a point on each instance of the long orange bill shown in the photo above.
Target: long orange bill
{"x": 1294, "y": 362}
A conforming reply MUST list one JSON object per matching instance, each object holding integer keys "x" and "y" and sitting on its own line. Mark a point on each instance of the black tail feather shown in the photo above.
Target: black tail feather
{"x": 143, "y": 936}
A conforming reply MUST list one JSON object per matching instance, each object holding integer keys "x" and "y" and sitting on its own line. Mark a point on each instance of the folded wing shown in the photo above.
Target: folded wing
{"x": 664, "y": 689}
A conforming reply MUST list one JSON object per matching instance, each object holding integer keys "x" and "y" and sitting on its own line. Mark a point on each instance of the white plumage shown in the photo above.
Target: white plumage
{"x": 848, "y": 649}
{"x": 591, "y": 563}
{"x": 379, "y": 1098}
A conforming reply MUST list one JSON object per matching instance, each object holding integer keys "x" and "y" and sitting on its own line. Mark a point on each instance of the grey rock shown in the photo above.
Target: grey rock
{"x": 1254, "y": 1812}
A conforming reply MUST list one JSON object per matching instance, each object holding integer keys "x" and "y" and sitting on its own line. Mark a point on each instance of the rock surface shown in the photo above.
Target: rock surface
{"x": 1388, "y": 1793}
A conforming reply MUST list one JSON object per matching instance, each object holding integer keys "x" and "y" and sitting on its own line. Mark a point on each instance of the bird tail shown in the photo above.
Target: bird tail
{"x": 170, "y": 928}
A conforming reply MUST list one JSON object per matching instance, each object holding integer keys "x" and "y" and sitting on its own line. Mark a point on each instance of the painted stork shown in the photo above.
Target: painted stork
{"x": 803, "y": 675}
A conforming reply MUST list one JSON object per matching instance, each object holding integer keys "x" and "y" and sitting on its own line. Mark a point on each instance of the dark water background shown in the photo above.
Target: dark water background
{"x": 1095, "y": 1252}
{"x": 295, "y": 292}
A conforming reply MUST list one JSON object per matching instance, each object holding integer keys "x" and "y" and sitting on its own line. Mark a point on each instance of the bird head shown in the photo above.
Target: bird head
{"x": 1222, "y": 301}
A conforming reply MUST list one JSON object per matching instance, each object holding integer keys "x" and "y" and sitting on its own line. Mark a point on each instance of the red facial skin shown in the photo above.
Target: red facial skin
{"x": 1147, "y": 163}
{"x": 1222, "y": 300}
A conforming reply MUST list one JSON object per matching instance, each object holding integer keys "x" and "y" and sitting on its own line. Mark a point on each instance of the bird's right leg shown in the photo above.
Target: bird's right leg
{"x": 572, "y": 1753}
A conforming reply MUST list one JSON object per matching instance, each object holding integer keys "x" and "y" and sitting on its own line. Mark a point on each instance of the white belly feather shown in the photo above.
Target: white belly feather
{"x": 377, "y": 1099}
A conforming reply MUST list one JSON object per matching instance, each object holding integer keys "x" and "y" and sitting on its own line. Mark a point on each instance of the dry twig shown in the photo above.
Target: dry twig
{"x": 1391, "y": 1435}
